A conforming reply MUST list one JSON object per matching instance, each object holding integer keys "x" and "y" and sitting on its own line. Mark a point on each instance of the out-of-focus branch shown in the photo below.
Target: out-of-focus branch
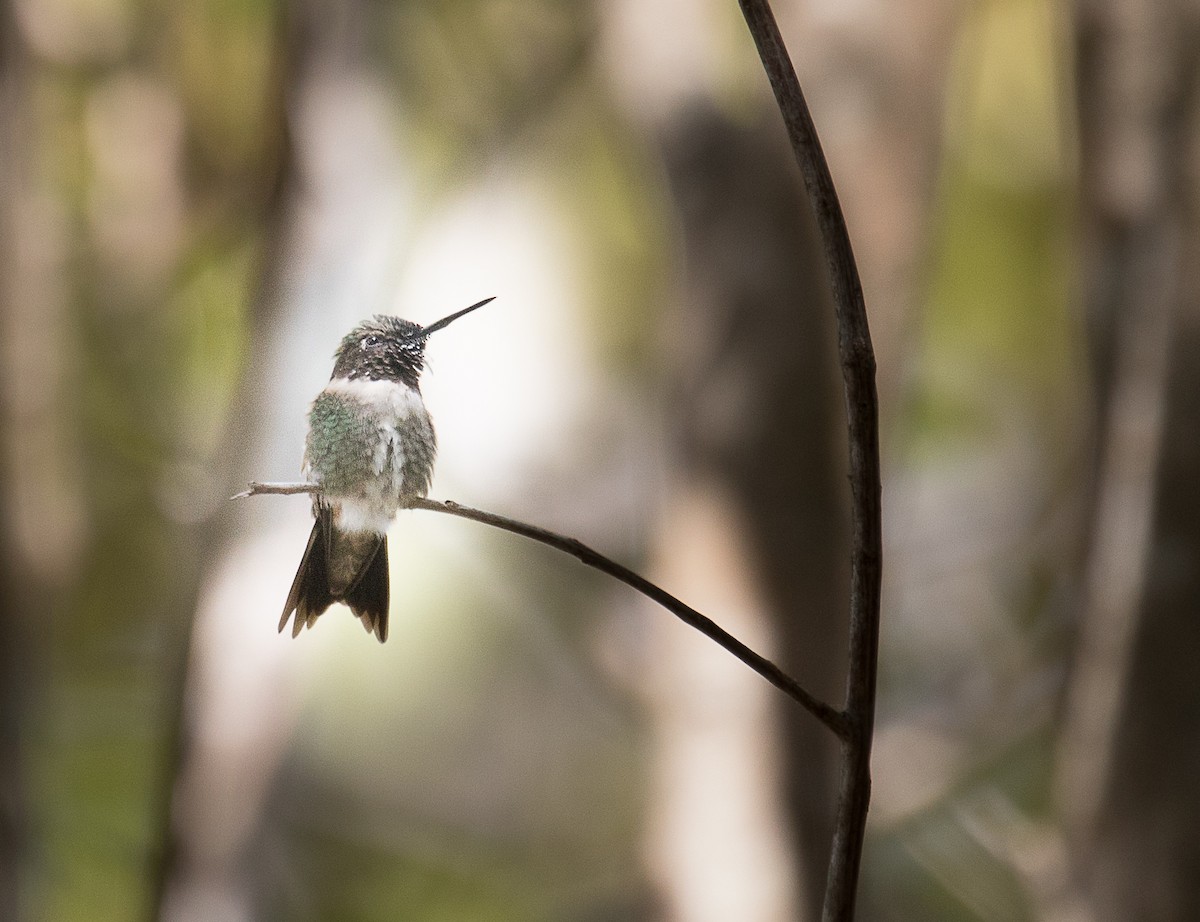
{"x": 17, "y": 588}
{"x": 862, "y": 411}
{"x": 1127, "y": 731}
{"x": 597, "y": 561}
{"x": 272, "y": 173}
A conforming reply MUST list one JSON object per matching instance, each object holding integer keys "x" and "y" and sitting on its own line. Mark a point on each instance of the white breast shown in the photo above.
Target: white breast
{"x": 391, "y": 399}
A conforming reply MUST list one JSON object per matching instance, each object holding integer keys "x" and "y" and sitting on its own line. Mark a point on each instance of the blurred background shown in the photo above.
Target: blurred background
{"x": 198, "y": 199}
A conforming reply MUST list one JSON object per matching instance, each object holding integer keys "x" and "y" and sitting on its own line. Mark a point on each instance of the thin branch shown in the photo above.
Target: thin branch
{"x": 862, "y": 411}
{"x": 706, "y": 626}
{"x": 277, "y": 489}
{"x": 832, "y": 718}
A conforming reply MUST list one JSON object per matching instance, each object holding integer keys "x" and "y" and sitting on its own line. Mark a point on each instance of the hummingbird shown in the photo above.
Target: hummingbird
{"x": 370, "y": 447}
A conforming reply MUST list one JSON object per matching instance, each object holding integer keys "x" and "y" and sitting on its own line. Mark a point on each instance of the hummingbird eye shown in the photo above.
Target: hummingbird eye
{"x": 371, "y": 341}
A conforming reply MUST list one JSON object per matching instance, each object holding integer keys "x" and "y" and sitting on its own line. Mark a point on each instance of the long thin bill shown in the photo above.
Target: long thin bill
{"x": 446, "y": 321}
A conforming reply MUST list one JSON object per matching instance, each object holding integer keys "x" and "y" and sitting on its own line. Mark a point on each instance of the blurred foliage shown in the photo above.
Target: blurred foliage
{"x": 478, "y": 73}
{"x": 485, "y": 79}
{"x": 150, "y": 150}
{"x": 1000, "y": 331}
{"x": 993, "y": 420}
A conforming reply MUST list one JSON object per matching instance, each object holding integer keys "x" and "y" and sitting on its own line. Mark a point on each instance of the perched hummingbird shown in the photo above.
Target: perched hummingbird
{"x": 371, "y": 447}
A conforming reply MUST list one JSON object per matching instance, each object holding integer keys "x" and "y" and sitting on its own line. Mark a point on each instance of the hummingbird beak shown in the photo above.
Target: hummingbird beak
{"x": 446, "y": 321}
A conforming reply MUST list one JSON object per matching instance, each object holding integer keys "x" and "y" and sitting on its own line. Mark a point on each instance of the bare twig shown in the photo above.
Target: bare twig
{"x": 862, "y": 411}
{"x": 597, "y": 561}
{"x": 278, "y": 489}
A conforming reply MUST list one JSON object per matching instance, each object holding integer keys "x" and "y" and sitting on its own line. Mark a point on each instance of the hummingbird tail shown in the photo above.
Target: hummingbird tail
{"x": 310, "y": 594}
{"x": 369, "y": 596}
{"x": 312, "y": 591}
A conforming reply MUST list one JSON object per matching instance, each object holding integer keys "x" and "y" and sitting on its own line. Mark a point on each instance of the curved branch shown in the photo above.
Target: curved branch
{"x": 862, "y": 412}
{"x": 832, "y": 718}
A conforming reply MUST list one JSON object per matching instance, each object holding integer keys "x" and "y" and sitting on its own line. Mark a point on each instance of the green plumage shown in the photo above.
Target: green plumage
{"x": 341, "y": 443}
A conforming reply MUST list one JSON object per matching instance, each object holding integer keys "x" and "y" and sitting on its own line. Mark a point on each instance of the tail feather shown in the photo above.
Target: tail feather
{"x": 312, "y": 593}
{"x": 369, "y": 597}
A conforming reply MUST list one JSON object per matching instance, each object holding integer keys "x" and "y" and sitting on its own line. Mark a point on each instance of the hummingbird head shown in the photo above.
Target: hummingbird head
{"x": 387, "y": 348}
